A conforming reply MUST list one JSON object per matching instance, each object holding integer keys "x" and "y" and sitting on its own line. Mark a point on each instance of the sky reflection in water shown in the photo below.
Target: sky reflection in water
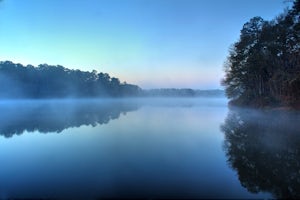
{"x": 163, "y": 148}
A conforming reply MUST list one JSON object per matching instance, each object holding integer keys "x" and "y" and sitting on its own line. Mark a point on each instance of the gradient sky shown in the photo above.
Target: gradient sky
{"x": 152, "y": 43}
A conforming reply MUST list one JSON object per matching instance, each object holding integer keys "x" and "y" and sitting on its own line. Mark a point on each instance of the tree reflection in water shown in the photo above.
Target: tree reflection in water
{"x": 55, "y": 116}
{"x": 264, "y": 149}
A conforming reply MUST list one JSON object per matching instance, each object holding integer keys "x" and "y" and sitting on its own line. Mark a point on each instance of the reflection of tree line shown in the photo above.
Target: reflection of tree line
{"x": 264, "y": 149}
{"x": 55, "y": 117}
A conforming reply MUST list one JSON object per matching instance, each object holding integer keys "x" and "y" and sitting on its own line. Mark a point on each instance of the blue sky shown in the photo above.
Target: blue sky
{"x": 152, "y": 43}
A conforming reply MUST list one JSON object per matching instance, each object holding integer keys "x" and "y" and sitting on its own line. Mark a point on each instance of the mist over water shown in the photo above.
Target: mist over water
{"x": 263, "y": 148}
{"x": 146, "y": 147}
{"x": 46, "y": 116}
{"x": 55, "y": 115}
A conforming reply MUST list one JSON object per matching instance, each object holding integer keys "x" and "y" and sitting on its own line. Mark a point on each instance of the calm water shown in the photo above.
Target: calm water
{"x": 155, "y": 148}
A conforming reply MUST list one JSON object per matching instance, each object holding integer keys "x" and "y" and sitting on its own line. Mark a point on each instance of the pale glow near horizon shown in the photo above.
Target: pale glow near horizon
{"x": 152, "y": 43}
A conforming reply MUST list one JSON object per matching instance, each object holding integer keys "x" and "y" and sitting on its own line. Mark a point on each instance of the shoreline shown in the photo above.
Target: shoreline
{"x": 265, "y": 108}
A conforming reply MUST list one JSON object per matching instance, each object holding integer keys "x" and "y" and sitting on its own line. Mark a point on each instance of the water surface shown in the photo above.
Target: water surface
{"x": 154, "y": 148}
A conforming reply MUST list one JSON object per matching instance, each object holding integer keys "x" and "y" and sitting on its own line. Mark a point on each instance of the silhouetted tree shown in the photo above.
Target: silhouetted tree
{"x": 263, "y": 67}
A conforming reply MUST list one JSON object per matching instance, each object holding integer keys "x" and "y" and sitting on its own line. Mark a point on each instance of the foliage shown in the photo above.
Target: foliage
{"x": 263, "y": 67}
{"x": 46, "y": 81}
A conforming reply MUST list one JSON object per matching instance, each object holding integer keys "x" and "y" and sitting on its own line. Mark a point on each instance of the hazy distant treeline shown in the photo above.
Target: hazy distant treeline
{"x": 46, "y": 81}
{"x": 263, "y": 67}
{"x": 173, "y": 92}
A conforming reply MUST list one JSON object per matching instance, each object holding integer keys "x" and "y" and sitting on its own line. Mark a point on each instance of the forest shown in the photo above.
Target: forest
{"x": 49, "y": 82}
{"x": 263, "y": 66}
{"x": 46, "y": 81}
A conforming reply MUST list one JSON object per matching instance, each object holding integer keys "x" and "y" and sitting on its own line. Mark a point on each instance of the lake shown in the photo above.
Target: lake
{"x": 147, "y": 148}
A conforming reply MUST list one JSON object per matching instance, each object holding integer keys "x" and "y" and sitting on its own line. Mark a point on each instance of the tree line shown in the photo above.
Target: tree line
{"x": 263, "y": 66}
{"x": 185, "y": 92}
{"x": 46, "y": 81}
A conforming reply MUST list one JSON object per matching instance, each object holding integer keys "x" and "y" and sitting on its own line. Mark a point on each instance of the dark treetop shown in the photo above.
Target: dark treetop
{"x": 263, "y": 67}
